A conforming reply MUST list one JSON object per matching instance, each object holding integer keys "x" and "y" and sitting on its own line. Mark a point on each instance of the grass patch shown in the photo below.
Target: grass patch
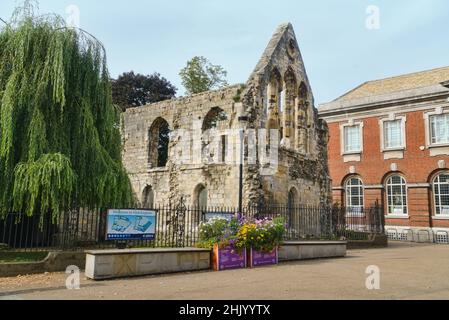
{"x": 18, "y": 257}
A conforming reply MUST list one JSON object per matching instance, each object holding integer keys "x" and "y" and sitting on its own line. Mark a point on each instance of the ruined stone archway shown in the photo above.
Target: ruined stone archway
{"x": 159, "y": 139}
{"x": 200, "y": 196}
{"x": 148, "y": 197}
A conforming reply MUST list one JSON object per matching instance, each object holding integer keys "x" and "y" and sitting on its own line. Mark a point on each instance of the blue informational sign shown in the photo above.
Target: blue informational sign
{"x": 131, "y": 225}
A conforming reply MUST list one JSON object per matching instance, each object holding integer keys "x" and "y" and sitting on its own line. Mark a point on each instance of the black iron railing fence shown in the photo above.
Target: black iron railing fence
{"x": 178, "y": 226}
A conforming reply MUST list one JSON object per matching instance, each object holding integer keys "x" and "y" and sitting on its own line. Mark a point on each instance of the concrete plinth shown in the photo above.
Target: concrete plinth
{"x": 304, "y": 250}
{"x": 108, "y": 264}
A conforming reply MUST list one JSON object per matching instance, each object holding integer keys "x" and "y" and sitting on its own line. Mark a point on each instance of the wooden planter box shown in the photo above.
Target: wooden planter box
{"x": 226, "y": 259}
{"x": 257, "y": 259}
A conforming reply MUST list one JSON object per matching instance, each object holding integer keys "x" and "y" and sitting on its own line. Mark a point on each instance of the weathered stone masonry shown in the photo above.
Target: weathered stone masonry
{"x": 277, "y": 96}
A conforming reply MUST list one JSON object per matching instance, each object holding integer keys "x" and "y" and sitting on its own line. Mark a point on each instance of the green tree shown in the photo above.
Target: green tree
{"x": 135, "y": 90}
{"x": 60, "y": 145}
{"x": 200, "y": 75}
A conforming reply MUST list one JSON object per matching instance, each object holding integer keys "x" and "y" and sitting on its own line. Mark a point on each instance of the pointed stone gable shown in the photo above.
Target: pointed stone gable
{"x": 282, "y": 53}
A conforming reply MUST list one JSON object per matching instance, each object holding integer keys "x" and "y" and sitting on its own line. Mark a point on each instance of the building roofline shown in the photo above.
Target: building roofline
{"x": 391, "y": 78}
{"x": 380, "y": 101}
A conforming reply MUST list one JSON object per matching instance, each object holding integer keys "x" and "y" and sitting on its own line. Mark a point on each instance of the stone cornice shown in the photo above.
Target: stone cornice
{"x": 383, "y": 101}
{"x": 445, "y": 84}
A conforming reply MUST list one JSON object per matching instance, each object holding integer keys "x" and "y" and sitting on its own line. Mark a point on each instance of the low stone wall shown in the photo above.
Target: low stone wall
{"x": 304, "y": 250}
{"x": 54, "y": 262}
{"x": 375, "y": 241}
{"x": 108, "y": 264}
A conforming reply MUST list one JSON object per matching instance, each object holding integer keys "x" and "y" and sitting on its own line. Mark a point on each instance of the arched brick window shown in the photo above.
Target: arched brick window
{"x": 441, "y": 194}
{"x": 396, "y": 188}
{"x": 354, "y": 196}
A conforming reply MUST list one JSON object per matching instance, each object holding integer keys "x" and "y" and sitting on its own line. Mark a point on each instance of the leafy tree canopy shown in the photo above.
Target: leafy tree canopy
{"x": 60, "y": 145}
{"x": 134, "y": 90}
{"x": 200, "y": 75}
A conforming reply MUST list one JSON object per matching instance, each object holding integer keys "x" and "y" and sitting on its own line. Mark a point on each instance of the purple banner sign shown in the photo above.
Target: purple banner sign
{"x": 229, "y": 259}
{"x": 263, "y": 258}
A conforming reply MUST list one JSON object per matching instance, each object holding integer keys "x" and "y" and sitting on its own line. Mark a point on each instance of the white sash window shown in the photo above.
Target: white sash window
{"x": 439, "y": 129}
{"x": 352, "y": 139}
{"x": 393, "y": 134}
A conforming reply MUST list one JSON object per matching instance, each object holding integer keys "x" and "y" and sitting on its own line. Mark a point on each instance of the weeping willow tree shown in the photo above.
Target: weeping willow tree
{"x": 60, "y": 145}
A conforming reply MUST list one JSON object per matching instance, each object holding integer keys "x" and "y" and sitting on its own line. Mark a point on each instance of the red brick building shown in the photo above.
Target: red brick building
{"x": 389, "y": 142}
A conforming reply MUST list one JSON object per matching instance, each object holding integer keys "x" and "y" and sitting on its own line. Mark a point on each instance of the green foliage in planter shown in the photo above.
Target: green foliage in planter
{"x": 217, "y": 231}
{"x": 60, "y": 144}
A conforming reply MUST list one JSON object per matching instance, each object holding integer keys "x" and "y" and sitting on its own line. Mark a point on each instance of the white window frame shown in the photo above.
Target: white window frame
{"x": 351, "y": 123}
{"x": 382, "y": 122}
{"x": 389, "y": 185}
{"x": 350, "y": 212}
{"x": 439, "y": 111}
{"x": 435, "y": 206}
{"x": 445, "y": 117}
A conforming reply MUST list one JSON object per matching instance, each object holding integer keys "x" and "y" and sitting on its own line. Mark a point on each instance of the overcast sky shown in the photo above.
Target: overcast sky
{"x": 339, "y": 51}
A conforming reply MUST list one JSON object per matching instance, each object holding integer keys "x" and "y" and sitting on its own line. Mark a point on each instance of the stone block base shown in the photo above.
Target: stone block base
{"x": 303, "y": 250}
{"x": 108, "y": 264}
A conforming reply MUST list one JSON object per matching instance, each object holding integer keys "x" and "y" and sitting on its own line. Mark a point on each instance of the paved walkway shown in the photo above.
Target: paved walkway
{"x": 408, "y": 271}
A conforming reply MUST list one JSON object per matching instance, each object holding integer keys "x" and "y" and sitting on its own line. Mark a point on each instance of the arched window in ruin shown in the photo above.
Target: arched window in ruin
{"x": 302, "y": 119}
{"x": 293, "y": 198}
{"x": 293, "y": 210}
{"x": 289, "y": 110}
{"x": 159, "y": 139}
{"x": 148, "y": 198}
{"x": 214, "y": 120}
{"x": 303, "y": 92}
{"x": 274, "y": 97}
{"x": 200, "y": 196}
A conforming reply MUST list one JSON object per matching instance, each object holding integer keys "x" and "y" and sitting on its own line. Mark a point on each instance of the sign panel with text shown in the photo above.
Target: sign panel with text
{"x": 131, "y": 225}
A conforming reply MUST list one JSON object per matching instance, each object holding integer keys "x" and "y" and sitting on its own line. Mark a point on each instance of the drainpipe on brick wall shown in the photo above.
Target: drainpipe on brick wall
{"x": 429, "y": 196}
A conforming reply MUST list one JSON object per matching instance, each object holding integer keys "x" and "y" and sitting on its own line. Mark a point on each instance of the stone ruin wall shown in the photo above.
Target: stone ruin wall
{"x": 302, "y": 157}
{"x": 175, "y": 180}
